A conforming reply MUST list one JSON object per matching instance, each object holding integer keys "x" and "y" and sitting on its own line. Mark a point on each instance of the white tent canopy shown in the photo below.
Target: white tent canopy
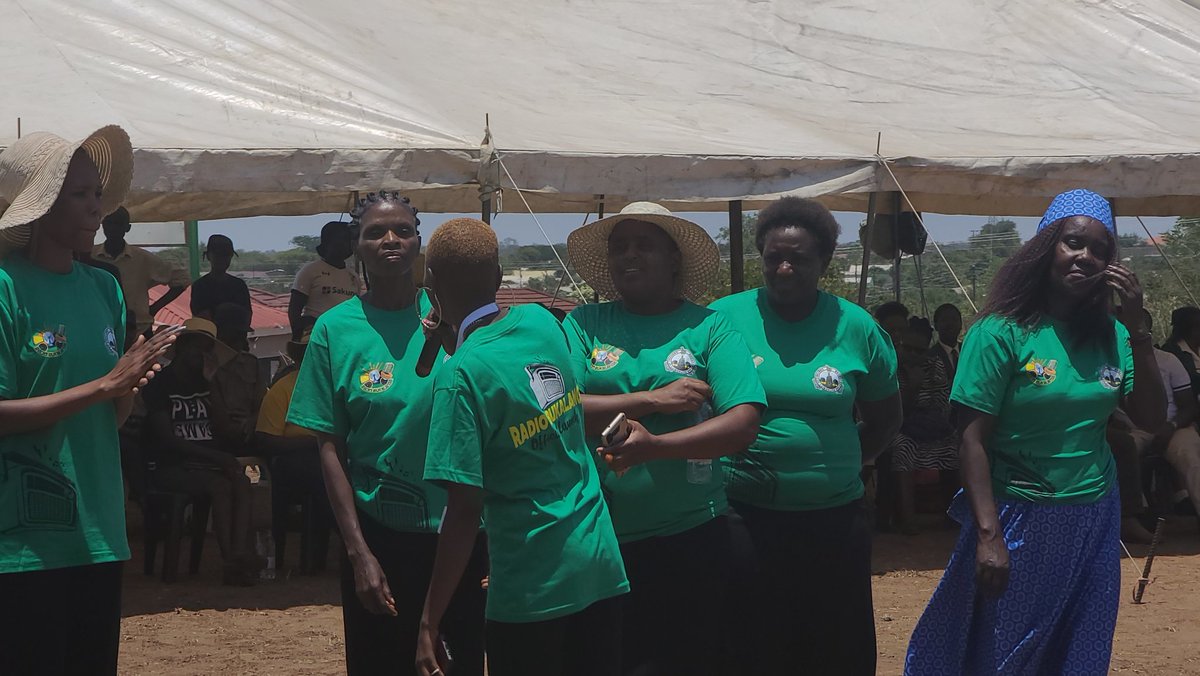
{"x": 254, "y": 107}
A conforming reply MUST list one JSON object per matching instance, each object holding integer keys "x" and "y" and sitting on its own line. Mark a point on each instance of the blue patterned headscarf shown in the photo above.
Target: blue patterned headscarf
{"x": 1079, "y": 202}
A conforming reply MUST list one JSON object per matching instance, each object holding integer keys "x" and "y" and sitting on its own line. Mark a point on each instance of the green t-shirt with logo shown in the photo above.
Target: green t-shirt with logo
{"x": 620, "y": 352}
{"x": 62, "y": 502}
{"x": 1052, "y": 399}
{"x": 807, "y": 454}
{"x": 358, "y": 382}
{"x": 510, "y": 422}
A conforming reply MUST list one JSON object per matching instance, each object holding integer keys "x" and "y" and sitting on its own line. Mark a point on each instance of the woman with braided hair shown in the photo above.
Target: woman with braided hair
{"x": 358, "y": 391}
{"x": 1032, "y": 586}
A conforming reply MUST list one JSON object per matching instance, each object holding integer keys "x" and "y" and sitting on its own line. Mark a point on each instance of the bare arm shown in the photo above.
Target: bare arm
{"x": 133, "y": 370}
{"x": 165, "y": 299}
{"x": 727, "y": 434}
{"x": 879, "y": 422}
{"x": 455, "y": 544}
{"x": 296, "y": 312}
{"x": 1147, "y": 404}
{"x": 682, "y": 395}
{"x": 370, "y": 583}
{"x": 991, "y": 551}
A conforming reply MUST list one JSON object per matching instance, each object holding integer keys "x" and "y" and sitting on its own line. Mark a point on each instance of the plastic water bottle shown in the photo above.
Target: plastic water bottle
{"x": 264, "y": 547}
{"x": 700, "y": 471}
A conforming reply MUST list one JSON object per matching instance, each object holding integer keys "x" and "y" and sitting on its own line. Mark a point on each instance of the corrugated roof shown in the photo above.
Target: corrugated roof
{"x": 507, "y": 296}
{"x": 267, "y": 317}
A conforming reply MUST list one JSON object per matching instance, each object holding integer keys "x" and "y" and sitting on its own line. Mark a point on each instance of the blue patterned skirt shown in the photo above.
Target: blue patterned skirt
{"x": 1059, "y": 611}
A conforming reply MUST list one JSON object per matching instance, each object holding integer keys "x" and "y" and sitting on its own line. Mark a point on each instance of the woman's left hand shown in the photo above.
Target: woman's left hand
{"x": 1122, "y": 280}
{"x": 637, "y": 448}
{"x": 427, "y": 657}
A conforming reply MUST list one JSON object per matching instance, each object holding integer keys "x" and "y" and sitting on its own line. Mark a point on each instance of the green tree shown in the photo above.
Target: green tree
{"x": 306, "y": 242}
{"x": 999, "y": 239}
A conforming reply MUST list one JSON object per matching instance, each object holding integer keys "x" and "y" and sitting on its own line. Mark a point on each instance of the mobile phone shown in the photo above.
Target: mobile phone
{"x": 616, "y": 431}
{"x": 444, "y": 658}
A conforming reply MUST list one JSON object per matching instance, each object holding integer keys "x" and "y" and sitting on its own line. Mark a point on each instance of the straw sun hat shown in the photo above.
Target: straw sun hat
{"x": 700, "y": 259}
{"x": 33, "y": 168}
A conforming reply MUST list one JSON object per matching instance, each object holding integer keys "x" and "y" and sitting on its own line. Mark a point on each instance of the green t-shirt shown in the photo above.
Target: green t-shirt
{"x": 62, "y": 502}
{"x": 619, "y": 352}
{"x": 1051, "y": 399}
{"x": 357, "y": 382}
{"x": 510, "y": 422}
{"x": 807, "y": 454}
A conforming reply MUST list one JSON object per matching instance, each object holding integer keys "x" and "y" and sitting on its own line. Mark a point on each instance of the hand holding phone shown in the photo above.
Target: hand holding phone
{"x": 617, "y": 432}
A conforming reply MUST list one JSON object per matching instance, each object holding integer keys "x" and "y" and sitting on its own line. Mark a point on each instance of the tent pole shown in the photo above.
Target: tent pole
{"x": 866, "y": 245}
{"x": 486, "y": 212}
{"x": 737, "y": 253}
{"x": 191, "y": 235}
{"x": 599, "y": 215}
{"x": 896, "y": 243}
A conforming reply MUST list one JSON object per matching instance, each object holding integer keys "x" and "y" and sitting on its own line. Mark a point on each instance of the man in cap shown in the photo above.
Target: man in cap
{"x": 180, "y": 419}
{"x": 323, "y": 283}
{"x": 218, "y": 286}
{"x": 140, "y": 270}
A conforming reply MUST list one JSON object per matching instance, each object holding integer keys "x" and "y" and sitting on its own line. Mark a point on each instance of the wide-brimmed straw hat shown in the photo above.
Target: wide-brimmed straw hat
{"x": 700, "y": 260}
{"x": 33, "y": 168}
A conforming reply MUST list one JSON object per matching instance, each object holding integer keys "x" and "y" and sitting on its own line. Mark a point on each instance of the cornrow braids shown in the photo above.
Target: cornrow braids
{"x": 374, "y": 199}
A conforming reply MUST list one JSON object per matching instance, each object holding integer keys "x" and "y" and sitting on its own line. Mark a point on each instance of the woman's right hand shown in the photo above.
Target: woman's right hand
{"x": 681, "y": 396}
{"x": 138, "y": 365}
{"x": 991, "y": 565}
{"x": 370, "y": 584}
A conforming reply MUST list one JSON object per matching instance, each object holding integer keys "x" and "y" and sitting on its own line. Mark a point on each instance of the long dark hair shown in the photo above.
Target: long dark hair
{"x": 1021, "y": 290}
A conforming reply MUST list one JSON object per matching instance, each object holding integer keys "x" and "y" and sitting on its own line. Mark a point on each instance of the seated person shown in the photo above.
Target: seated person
{"x": 293, "y": 451}
{"x": 189, "y": 460}
{"x": 927, "y": 438}
{"x": 1177, "y": 440}
{"x": 238, "y": 386}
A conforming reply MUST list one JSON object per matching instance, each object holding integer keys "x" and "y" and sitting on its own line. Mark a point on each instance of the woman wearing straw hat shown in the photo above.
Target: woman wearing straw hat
{"x": 821, "y": 359}
{"x": 1032, "y": 586}
{"x": 684, "y": 377}
{"x": 357, "y": 390}
{"x": 65, "y": 388}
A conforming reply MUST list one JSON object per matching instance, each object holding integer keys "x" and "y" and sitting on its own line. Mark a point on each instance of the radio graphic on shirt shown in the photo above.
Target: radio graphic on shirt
{"x": 44, "y": 499}
{"x": 189, "y": 416}
{"x": 396, "y": 502}
{"x": 548, "y": 386}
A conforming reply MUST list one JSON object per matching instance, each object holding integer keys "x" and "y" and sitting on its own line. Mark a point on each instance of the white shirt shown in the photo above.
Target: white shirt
{"x": 325, "y": 286}
{"x": 1174, "y": 378}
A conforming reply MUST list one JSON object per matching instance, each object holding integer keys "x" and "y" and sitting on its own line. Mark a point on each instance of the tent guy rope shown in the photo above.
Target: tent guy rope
{"x": 921, "y": 220}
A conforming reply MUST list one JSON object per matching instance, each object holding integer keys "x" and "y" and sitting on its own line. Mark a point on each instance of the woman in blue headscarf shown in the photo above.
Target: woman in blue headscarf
{"x": 1032, "y": 585}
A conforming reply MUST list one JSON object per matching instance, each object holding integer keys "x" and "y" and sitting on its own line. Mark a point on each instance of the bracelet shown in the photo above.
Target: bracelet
{"x": 1140, "y": 339}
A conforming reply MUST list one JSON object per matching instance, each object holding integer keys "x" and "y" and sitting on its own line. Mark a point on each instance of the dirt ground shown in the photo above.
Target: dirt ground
{"x": 293, "y": 625}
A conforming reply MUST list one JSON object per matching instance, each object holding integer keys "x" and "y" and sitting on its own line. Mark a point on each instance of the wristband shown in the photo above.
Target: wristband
{"x": 1140, "y": 339}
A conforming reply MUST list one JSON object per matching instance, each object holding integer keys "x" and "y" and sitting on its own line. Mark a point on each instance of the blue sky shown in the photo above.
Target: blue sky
{"x": 274, "y": 232}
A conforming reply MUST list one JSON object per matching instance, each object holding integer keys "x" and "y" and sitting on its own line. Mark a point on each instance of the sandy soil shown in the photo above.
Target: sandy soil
{"x": 293, "y": 625}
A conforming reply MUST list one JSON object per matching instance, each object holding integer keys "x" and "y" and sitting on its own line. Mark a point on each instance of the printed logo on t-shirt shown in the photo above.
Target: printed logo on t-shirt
{"x": 681, "y": 361}
{"x": 50, "y": 344}
{"x": 828, "y": 379}
{"x": 548, "y": 386}
{"x": 110, "y": 340}
{"x": 546, "y": 382}
{"x": 1042, "y": 372}
{"x": 189, "y": 415}
{"x": 1111, "y": 377}
{"x": 376, "y": 378}
{"x": 758, "y": 360}
{"x": 605, "y": 357}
